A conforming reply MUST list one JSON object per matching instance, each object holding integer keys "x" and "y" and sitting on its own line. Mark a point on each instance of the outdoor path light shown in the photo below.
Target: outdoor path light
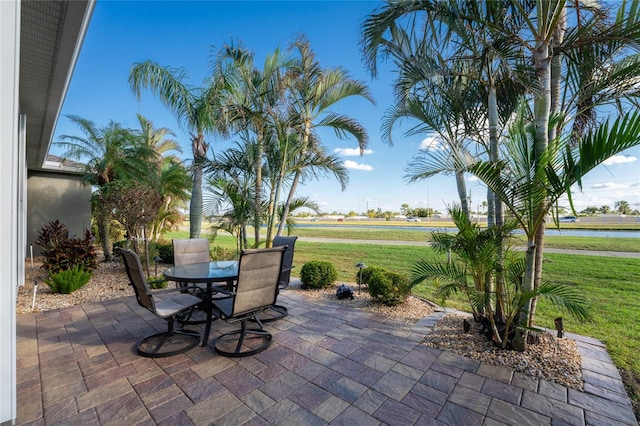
{"x": 360, "y": 265}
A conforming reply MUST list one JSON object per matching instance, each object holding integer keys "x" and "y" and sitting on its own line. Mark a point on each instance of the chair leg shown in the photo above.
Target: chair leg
{"x": 169, "y": 343}
{"x": 273, "y": 313}
{"x": 230, "y": 345}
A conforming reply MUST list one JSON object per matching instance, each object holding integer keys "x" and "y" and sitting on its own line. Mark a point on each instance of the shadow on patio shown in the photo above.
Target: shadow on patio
{"x": 328, "y": 364}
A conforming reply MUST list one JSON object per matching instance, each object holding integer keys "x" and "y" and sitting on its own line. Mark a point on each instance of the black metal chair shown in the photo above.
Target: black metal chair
{"x": 277, "y": 312}
{"x": 171, "y": 342}
{"x": 255, "y": 291}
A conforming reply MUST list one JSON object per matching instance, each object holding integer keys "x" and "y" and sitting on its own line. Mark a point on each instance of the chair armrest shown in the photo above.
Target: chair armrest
{"x": 225, "y": 291}
{"x": 176, "y": 290}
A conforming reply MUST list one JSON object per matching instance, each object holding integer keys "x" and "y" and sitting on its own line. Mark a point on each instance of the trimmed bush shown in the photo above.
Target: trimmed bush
{"x": 367, "y": 272}
{"x": 318, "y": 274}
{"x": 69, "y": 280}
{"x": 388, "y": 288}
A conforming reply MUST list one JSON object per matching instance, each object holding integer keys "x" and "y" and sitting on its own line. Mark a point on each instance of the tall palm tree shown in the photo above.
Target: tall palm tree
{"x": 437, "y": 93}
{"x": 538, "y": 35}
{"x": 109, "y": 153}
{"x": 251, "y": 99}
{"x": 313, "y": 92}
{"x": 195, "y": 110}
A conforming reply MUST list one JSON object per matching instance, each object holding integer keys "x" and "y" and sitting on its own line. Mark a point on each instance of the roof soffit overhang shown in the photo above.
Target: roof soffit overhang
{"x": 51, "y": 35}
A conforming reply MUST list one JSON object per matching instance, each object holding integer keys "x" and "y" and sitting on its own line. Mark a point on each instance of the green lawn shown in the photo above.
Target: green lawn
{"x": 564, "y": 242}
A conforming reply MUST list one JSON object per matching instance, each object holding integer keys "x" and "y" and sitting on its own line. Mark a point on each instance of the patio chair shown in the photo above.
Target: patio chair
{"x": 187, "y": 252}
{"x": 277, "y": 312}
{"x": 171, "y": 342}
{"x": 255, "y": 291}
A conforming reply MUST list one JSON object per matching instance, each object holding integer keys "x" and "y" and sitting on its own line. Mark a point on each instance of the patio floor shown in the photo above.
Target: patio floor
{"x": 327, "y": 365}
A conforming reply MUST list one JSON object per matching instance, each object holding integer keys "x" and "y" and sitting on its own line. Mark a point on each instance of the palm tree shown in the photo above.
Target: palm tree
{"x": 157, "y": 138}
{"x": 170, "y": 178}
{"x": 525, "y": 182}
{"x": 110, "y": 153}
{"x": 477, "y": 257}
{"x": 435, "y": 92}
{"x": 229, "y": 199}
{"x": 537, "y": 32}
{"x": 173, "y": 184}
{"x": 313, "y": 92}
{"x": 195, "y": 110}
{"x": 251, "y": 99}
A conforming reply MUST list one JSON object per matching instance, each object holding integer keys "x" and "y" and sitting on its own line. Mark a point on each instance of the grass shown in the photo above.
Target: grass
{"x": 564, "y": 242}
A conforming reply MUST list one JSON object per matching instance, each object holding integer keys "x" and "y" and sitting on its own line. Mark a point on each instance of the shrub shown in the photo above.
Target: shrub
{"x": 69, "y": 280}
{"x": 165, "y": 251}
{"x": 61, "y": 252}
{"x": 157, "y": 282}
{"x": 318, "y": 274}
{"x": 389, "y": 288}
{"x": 221, "y": 253}
{"x": 367, "y": 272}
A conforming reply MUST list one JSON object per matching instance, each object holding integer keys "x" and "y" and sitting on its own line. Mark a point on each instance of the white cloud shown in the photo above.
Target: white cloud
{"x": 430, "y": 144}
{"x": 619, "y": 159}
{"x": 352, "y": 152}
{"x": 473, "y": 178}
{"x": 609, "y": 185}
{"x": 357, "y": 166}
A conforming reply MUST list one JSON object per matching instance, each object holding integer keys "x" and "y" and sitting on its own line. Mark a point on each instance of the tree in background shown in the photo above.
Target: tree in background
{"x": 195, "y": 109}
{"x": 110, "y": 153}
{"x": 252, "y": 98}
{"x": 313, "y": 93}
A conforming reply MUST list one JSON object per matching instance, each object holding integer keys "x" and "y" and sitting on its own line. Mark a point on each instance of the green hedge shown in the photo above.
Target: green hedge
{"x": 389, "y": 288}
{"x": 318, "y": 274}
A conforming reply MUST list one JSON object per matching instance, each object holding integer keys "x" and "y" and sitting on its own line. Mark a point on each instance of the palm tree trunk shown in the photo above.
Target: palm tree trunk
{"x": 555, "y": 87}
{"x": 195, "y": 205}
{"x": 541, "y": 109}
{"x": 495, "y": 205}
{"x": 520, "y": 338}
{"x": 287, "y": 204}
{"x": 462, "y": 192}
{"x": 257, "y": 201}
{"x": 103, "y": 232}
{"x": 274, "y": 193}
{"x": 296, "y": 179}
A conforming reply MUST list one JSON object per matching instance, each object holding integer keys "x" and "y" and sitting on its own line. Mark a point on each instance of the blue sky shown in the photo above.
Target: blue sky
{"x": 186, "y": 35}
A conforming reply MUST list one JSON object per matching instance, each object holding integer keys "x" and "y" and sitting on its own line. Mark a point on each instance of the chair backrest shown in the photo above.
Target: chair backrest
{"x": 287, "y": 260}
{"x": 137, "y": 280}
{"x": 188, "y": 251}
{"x": 258, "y": 276}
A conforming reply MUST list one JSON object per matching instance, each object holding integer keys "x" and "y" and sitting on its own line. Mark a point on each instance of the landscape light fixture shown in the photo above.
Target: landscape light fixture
{"x": 156, "y": 260}
{"x": 360, "y": 265}
{"x": 559, "y": 326}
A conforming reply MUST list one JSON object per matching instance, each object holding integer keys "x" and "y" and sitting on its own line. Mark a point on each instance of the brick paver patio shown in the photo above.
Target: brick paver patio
{"x": 327, "y": 365}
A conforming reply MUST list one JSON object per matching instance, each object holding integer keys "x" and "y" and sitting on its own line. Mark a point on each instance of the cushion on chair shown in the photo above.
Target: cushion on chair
{"x": 169, "y": 307}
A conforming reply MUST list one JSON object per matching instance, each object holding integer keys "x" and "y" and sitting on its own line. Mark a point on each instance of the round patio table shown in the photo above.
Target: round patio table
{"x": 208, "y": 273}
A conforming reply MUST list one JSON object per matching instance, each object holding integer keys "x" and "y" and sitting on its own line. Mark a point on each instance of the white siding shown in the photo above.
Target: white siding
{"x": 10, "y": 262}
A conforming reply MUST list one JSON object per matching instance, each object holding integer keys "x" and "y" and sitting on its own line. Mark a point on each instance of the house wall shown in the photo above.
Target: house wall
{"x": 10, "y": 261}
{"x": 52, "y": 196}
